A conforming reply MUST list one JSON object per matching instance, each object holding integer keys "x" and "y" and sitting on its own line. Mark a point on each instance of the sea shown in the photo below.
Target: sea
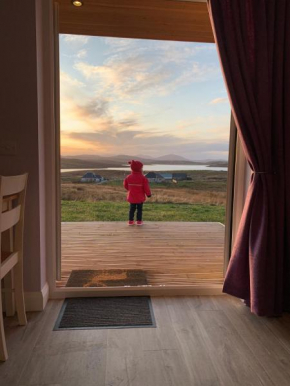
{"x": 156, "y": 167}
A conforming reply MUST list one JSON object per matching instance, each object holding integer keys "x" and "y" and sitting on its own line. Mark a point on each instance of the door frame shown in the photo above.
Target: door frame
{"x": 57, "y": 140}
{"x": 237, "y": 171}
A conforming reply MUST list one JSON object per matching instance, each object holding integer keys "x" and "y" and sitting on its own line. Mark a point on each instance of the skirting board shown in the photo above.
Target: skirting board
{"x": 36, "y": 301}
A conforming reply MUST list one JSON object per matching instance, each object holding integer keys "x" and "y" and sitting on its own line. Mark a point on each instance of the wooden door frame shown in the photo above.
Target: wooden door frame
{"x": 57, "y": 141}
{"x": 237, "y": 166}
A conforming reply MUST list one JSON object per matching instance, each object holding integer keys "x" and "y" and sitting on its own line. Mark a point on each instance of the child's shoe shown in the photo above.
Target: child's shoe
{"x": 139, "y": 222}
{"x": 131, "y": 222}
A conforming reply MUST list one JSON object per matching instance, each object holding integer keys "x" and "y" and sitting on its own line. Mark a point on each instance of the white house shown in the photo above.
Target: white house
{"x": 166, "y": 176}
{"x": 91, "y": 177}
{"x": 154, "y": 177}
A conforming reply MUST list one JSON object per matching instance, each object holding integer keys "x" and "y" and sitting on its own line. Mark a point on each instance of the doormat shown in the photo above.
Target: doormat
{"x": 107, "y": 278}
{"x": 109, "y": 312}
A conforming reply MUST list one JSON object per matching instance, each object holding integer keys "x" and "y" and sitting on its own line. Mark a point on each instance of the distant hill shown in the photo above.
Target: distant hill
{"x": 83, "y": 157}
{"x": 172, "y": 157}
{"x": 124, "y": 158}
{"x": 143, "y": 156}
{"x": 75, "y": 163}
{"x": 219, "y": 163}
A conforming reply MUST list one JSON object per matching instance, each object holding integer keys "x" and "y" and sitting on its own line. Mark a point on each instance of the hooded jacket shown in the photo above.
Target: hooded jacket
{"x": 136, "y": 184}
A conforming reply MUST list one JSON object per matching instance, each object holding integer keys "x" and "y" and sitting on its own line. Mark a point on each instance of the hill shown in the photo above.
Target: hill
{"x": 74, "y": 163}
{"x": 172, "y": 157}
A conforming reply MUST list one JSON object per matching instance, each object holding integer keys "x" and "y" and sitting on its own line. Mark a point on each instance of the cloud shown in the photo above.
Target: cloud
{"x": 81, "y": 54}
{"x": 68, "y": 81}
{"x": 170, "y": 52}
{"x": 110, "y": 105}
{"x": 126, "y": 78}
{"x": 218, "y": 101}
{"x": 155, "y": 144}
{"x": 117, "y": 45}
{"x": 90, "y": 123}
{"x": 76, "y": 39}
{"x": 134, "y": 69}
{"x": 128, "y": 122}
{"x": 94, "y": 108}
{"x": 81, "y": 110}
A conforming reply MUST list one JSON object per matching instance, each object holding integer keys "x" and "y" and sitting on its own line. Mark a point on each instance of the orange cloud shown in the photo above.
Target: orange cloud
{"x": 219, "y": 100}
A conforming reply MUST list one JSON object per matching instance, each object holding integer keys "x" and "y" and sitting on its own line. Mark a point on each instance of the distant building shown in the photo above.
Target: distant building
{"x": 91, "y": 177}
{"x": 166, "y": 176}
{"x": 154, "y": 177}
{"x": 179, "y": 176}
{"x": 99, "y": 178}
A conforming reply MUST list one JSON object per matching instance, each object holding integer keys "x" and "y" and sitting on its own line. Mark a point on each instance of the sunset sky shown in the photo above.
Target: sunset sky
{"x": 142, "y": 97}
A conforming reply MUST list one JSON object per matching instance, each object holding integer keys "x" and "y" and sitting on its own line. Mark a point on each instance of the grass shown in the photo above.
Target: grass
{"x": 118, "y": 211}
{"x": 202, "y": 198}
{"x": 204, "y": 180}
{"x": 165, "y": 194}
{"x": 217, "y": 185}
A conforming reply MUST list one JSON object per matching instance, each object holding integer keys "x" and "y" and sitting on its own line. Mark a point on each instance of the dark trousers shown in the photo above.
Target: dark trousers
{"x": 132, "y": 211}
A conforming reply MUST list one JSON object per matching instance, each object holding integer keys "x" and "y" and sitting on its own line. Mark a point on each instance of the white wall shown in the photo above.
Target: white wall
{"x": 24, "y": 114}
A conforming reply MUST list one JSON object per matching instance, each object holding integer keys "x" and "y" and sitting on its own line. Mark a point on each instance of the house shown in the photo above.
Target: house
{"x": 91, "y": 177}
{"x": 179, "y": 176}
{"x": 166, "y": 176}
{"x": 154, "y": 177}
{"x": 201, "y": 340}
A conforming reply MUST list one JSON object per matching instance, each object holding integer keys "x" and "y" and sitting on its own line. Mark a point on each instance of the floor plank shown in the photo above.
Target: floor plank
{"x": 171, "y": 253}
{"x": 127, "y": 343}
{"x": 191, "y": 343}
{"x": 116, "y": 368}
{"x": 21, "y": 341}
{"x": 269, "y": 350}
{"x": 65, "y": 357}
{"x": 233, "y": 361}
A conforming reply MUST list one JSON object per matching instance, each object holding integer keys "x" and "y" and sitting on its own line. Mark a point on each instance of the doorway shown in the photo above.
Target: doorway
{"x": 106, "y": 91}
{"x": 187, "y": 27}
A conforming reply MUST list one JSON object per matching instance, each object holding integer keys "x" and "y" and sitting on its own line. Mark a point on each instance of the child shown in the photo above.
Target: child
{"x": 138, "y": 188}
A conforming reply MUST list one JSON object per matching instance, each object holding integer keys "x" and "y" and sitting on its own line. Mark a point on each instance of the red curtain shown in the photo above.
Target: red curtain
{"x": 253, "y": 41}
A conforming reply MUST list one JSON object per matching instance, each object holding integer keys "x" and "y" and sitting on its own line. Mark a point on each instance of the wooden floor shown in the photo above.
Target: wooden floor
{"x": 199, "y": 341}
{"x": 171, "y": 253}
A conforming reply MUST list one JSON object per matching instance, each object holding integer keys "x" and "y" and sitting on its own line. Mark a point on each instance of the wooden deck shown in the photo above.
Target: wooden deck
{"x": 172, "y": 253}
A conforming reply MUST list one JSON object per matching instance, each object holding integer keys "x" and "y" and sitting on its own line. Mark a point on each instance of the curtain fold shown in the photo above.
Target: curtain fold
{"x": 253, "y": 41}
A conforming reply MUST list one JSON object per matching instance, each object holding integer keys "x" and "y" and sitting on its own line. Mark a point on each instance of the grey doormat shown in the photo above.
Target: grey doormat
{"x": 107, "y": 312}
{"x": 107, "y": 278}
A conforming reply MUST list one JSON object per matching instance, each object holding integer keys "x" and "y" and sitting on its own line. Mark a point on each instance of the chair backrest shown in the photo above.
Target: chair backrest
{"x": 12, "y": 185}
{"x": 12, "y": 200}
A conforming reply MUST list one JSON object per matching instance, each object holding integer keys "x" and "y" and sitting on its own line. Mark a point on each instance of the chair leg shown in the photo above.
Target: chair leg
{"x": 9, "y": 294}
{"x": 7, "y": 245}
{"x": 3, "y": 348}
{"x": 19, "y": 294}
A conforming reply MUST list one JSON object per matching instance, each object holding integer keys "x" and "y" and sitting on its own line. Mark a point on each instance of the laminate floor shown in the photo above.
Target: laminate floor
{"x": 198, "y": 341}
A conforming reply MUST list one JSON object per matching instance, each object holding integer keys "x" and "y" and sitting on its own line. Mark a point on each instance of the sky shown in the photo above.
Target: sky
{"x": 142, "y": 97}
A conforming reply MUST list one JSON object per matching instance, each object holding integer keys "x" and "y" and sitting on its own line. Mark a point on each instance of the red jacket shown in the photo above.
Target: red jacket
{"x": 138, "y": 188}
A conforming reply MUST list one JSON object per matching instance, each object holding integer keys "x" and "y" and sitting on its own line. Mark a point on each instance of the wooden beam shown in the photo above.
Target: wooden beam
{"x": 150, "y": 19}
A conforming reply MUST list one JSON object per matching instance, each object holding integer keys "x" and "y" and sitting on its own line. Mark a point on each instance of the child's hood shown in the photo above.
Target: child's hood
{"x": 136, "y": 166}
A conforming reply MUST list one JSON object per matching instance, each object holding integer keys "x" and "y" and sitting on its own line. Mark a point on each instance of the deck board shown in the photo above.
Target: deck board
{"x": 172, "y": 253}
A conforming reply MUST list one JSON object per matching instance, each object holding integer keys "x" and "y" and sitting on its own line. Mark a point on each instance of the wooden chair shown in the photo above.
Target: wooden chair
{"x": 12, "y": 200}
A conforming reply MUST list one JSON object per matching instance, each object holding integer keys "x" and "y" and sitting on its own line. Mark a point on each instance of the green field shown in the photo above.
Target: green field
{"x": 203, "y": 180}
{"x": 118, "y": 211}
{"x": 201, "y": 198}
